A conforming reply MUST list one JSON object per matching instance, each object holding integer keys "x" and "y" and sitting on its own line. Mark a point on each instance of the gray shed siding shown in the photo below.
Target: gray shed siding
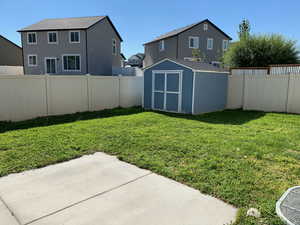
{"x": 177, "y": 47}
{"x": 210, "y": 92}
{"x": 42, "y": 49}
{"x": 99, "y": 48}
{"x": 187, "y": 84}
{"x": 10, "y": 54}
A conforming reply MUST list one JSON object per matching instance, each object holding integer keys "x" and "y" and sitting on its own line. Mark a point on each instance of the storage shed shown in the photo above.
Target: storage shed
{"x": 185, "y": 87}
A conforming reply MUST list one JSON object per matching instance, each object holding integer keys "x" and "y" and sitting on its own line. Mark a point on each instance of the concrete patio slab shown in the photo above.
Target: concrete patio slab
{"x": 149, "y": 201}
{"x": 34, "y": 194}
{"x": 5, "y": 216}
{"x": 99, "y": 189}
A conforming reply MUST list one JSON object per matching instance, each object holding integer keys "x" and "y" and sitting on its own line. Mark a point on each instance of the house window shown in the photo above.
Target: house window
{"x": 71, "y": 62}
{"x": 210, "y": 43}
{"x": 74, "y": 37}
{"x": 162, "y": 45}
{"x": 114, "y": 47}
{"x": 205, "y": 26}
{"x": 52, "y": 37}
{"x": 31, "y": 38}
{"x": 225, "y": 45}
{"x": 32, "y": 60}
{"x": 193, "y": 42}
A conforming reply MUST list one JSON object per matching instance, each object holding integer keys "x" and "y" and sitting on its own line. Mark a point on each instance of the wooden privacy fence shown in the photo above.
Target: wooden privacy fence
{"x": 26, "y": 97}
{"x": 255, "y": 89}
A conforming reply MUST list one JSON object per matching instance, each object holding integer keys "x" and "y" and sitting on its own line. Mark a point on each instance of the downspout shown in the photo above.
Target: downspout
{"x": 177, "y": 47}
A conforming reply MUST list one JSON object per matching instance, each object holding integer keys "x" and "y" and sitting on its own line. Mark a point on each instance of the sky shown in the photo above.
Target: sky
{"x": 139, "y": 21}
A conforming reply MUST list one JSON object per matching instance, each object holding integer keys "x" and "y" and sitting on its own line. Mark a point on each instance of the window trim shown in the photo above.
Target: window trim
{"x": 163, "y": 45}
{"x": 114, "y": 44}
{"x": 52, "y": 32}
{"x": 194, "y": 37}
{"x": 205, "y": 27}
{"x": 74, "y": 42}
{"x": 32, "y": 43}
{"x": 227, "y": 41}
{"x": 62, "y": 61}
{"x": 36, "y": 60}
{"x": 212, "y": 45}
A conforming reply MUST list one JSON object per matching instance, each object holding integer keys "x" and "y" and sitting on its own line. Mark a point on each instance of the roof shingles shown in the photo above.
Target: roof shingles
{"x": 180, "y": 30}
{"x": 64, "y": 23}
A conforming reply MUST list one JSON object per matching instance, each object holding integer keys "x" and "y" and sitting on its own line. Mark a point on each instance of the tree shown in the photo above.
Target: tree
{"x": 244, "y": 29}
{"x": 261, "y": 51}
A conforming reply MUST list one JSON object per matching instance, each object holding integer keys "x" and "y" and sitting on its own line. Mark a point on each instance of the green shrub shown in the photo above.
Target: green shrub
{"x": 261, "y": 51}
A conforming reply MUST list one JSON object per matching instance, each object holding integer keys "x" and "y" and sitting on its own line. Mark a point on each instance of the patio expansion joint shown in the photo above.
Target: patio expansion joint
{"x": 89, "y": 198}
{"x": 10, "y": 210}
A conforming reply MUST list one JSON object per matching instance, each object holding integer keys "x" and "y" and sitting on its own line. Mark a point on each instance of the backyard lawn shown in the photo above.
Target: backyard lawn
{"x": 248, "y": 159}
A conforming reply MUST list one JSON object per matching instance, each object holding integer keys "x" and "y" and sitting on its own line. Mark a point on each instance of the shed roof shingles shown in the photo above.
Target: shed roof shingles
{"x": 64, "y": 23}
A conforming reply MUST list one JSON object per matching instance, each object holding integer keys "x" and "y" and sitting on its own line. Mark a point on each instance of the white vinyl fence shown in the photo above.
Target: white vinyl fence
{"x": 11, "y": 70}
{"x": 31, "y": 96}
{"x": 259, "y": 91}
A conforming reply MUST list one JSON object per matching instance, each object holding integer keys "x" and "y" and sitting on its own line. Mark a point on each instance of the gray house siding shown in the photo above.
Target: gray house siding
{"x": 187, "y": 85}
{"x": 42, "y": 49}
{"x": 210, "y": 92}
{"x": 198, "y": 31}
{"x": 99, "y": 48}
{"x": 153, "y": 55}
{"x": 177, "y": 47}
{"x": 10, "y": 54}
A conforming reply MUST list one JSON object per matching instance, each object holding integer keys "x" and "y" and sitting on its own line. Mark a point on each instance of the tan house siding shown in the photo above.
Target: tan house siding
{"x": 10, "y": 54}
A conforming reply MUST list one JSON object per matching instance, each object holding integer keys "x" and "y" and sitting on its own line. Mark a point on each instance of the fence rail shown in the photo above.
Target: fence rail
{"x": 30, "y": 96}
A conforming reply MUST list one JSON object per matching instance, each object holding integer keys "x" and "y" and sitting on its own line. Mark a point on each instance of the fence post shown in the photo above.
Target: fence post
{"x": 243, "y": 89}
{"x": 47, "y": 91}
{"x": 88, "y": 77}
{"x": 119, "y": 89}
{"x": 288, "y": 92}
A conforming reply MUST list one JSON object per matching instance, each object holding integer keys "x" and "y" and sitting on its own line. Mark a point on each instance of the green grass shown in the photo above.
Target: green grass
{"x": 248, "y": 159}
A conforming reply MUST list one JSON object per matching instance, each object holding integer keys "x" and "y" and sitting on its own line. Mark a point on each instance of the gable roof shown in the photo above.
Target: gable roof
{"x": 75, "y": 23}
{"x": 4, "y": 38}
{"x": 183, "y": 29}
{"x": 195, "y": 66}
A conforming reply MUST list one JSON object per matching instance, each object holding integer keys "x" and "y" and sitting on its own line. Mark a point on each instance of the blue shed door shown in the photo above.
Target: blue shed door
{"x": 166, "y": 91}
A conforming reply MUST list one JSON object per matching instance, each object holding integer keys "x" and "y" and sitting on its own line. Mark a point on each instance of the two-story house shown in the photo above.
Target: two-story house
{"x": 84, "y": 45}
{"x": 205, "y": 37}
{"x": 10, "y": 53}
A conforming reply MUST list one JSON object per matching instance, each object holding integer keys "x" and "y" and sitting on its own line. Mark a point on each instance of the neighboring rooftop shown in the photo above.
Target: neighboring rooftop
{"x": 67, "y": 24}
{"x": 64, "y": 23}
{"x": 4, "y": 38}
{"x": 180, "y": 30}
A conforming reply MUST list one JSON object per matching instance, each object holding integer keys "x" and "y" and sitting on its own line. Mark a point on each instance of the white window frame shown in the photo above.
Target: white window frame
{"x": 31, "y": 43}
{"x": 62, "y": 61}
{"x": 205, "y": 27}
{"x": 196, "y": 42}
{"x": 46, "y": 64}
{"x": 52, "y": 32}
{"x": 74, "y": 42}
{"x": 161, "y": 45}
{"x": 114, "y": 44}
{"x": 28, "y": 61}
{"x": 165, "y": 92}
{"x": 227, "y": 45}
{"x": 212, "y": 43}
